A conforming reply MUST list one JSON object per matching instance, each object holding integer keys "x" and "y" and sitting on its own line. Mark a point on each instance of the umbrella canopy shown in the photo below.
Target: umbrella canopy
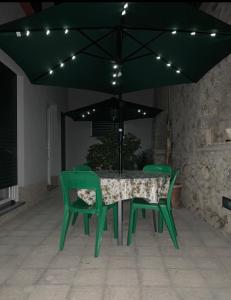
{"x": 113, "y": 110}
{"x": 116, "y": 47}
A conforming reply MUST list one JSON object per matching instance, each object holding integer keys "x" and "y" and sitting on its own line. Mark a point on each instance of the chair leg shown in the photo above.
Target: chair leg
{"x": 99, "y": 230}
{"x": 134, "y": 220}
{"x": 154, "y": 220}
{"x": 130, "y": 226}
{"x": 66, "y": 222}
{"x": 105, "y": 224}
{"x": 86, "y": 224}
{"x": 167, "y": 218}
{"x": 173, "y": 223}
{"x": 115, "y": 221}
{"x": 160, "y": 222}
{"x": 75, "y": 215}
{"x": 143, "y": 213}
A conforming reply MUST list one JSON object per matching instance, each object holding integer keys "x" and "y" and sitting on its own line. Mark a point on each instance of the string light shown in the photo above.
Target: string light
{"x": 113, "y": 82}
{"x": 144, "y": 113}
{"x": 178, "y": 71}
{"x": 123, "y": 12}
{"x": 51, "y": 72}
{"x": 125, "y": 5}
{"x": 88, "y": 113}
{"x": 93, "y": 109}
{"x": 27, "y": 32}
{"x": 66, "y": 31}
{"x": 115, "y": 67}
{"x": 158, "y": 57}
{"x": 168, "y": 64}
{"x": 114, "y": 75}
{"x": 174, "y": 32}
{"x": 193, "y": 33}
{"x": 73, "y": 57}
{"x": 139, "y": 110}
{"x": 83, "y": 116}
{"x": 213, "y": 34}
{"x": 48, "y": 31}
{"x": 61, "y": 64}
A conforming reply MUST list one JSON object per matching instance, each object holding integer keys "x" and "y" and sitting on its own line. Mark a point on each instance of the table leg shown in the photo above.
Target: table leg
{"x": 120, "y": 223}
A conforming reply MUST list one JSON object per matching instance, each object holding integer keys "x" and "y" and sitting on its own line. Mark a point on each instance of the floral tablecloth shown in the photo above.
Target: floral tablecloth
{"x": 130, "y": 184}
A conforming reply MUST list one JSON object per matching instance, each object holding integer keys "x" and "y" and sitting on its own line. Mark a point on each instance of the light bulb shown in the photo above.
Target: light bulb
{"x": 83, "y": 116}
{"x": 158, "y": 57}
{"x": 168, "y": 65}
{"x": 73, "y": 57}
{"x": 18, "y": 34}
{"x": 213, "y": 34}
{"x": 27, "y": 32}
{"x": 174, "y": 32}
{"x": 139, "y": 110}
{"x": 178, "y": 71}
{"x": 114, "y": 75}
{"x": 48, "y": 31}
{"x": 125, "y": 5}
{"x": 66, "y": 31}
{"x": 123, "y": 12}
{"x": 50, "y": 72}
{"x": 93, "y": 109}
{"x": 193, "y": 33}
{"x": 61, "y": 64}
{"x": 113, "y": 82}
{"x": 115, "y": 67}
{"x": 144, "y": 113}
{"x": 88, "y": 113}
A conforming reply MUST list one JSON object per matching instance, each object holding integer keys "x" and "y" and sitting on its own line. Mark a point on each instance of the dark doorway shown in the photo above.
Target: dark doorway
{"x": 8, "y": 127}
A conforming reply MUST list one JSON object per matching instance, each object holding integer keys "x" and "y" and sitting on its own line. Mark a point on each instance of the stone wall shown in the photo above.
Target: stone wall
{"x": 199, "y": 114}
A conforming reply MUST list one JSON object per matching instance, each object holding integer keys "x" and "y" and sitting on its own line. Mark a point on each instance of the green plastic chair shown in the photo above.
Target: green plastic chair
{"x": 155, "y": 168}
{"x": 164, "y": 208}
{"x": 82, "y": 168}
{"x": 85, "y": 180}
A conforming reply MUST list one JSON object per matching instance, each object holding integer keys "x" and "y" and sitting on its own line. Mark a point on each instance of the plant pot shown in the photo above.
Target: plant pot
{"x": 176, "y": 196}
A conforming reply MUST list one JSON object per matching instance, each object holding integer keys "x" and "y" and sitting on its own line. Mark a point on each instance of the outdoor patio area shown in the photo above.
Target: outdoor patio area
{"x": 31, "y": 266}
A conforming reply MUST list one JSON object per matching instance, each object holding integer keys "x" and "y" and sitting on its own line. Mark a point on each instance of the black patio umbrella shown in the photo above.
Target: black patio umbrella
{"x": 114, "y": 111}
{"x": 116, "y": 47}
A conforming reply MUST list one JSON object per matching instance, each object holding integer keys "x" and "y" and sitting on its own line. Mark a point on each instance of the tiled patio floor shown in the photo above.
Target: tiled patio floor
{"x": 31, "y": 267}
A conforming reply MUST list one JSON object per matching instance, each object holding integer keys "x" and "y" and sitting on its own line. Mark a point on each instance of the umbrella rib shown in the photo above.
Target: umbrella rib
{"x": 155, "y": 53}
{"x": 178, "y": 30}
{"x": 76, "y": 53}
{"x": 96, "y": 43}
{"x": 95, "y": 55}
{"x": 143, "y": 46}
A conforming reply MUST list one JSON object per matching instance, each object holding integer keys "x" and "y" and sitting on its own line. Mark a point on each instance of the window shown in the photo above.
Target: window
{"x": 102, "y": 128}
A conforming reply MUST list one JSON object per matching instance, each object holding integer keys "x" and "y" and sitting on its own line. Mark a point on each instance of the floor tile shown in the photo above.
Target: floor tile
{"x": 90, "y": 277}
{"x": 122, "y": 277}
{"x": 122, "y": 293}
{"x": 154, "y": 277}
{"x": 186, "y": 278}
{"x": 156, "y": 293}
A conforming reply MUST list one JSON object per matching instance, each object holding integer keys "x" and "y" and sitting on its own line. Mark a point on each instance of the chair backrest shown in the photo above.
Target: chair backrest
{"x": 82, "y": 168}
{"x": 76, "y": 180}
{"x": 171, "y": 186}
{"x": 158, "y": 168}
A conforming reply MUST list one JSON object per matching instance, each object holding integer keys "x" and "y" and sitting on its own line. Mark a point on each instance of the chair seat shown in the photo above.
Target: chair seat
{"x": 79, "y": 204}
{"x": 145, "y": 202}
